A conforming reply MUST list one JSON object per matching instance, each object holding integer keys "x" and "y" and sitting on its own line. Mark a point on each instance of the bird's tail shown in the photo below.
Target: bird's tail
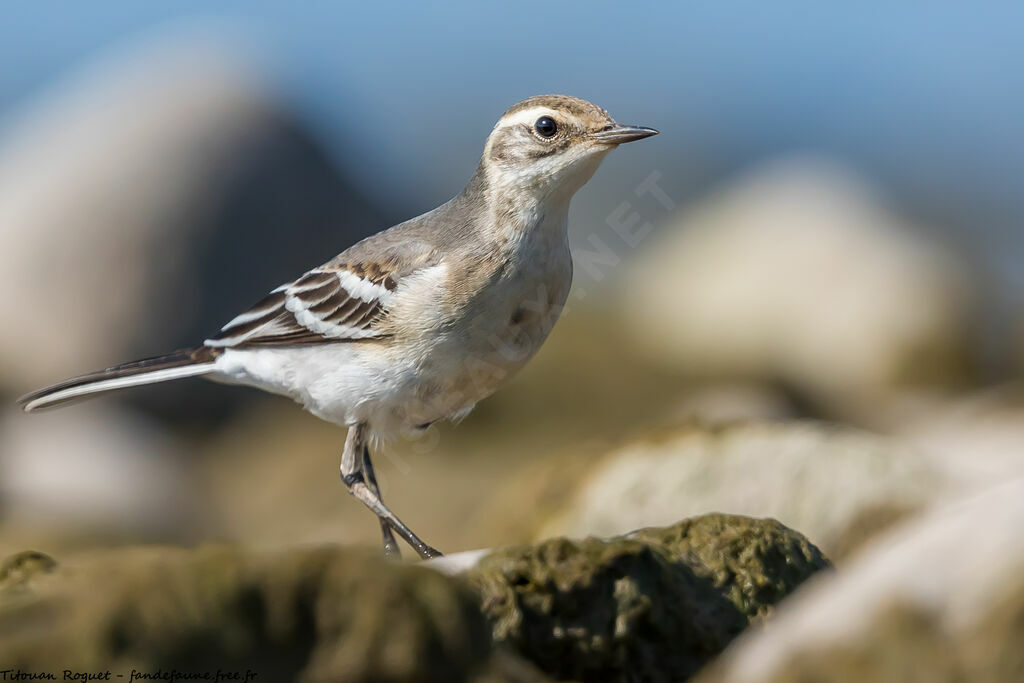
{"x": 174, "y": 365}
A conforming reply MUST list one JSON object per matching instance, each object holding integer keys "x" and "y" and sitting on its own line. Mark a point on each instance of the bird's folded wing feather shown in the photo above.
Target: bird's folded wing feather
{"x": 332, "y": 303}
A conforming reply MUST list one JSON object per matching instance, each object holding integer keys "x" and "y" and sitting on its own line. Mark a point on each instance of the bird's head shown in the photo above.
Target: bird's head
{"x": 552, "y": 144}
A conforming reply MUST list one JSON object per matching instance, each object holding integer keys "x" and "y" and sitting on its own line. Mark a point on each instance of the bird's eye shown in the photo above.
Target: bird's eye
{"x": 546, "y": 127}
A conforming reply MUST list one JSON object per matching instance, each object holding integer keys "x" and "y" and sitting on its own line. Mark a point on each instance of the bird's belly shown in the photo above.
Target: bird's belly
{"x": 345, "y": 383}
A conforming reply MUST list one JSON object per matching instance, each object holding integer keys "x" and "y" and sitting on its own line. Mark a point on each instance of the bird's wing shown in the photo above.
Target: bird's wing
{"x": 336, "y": 302}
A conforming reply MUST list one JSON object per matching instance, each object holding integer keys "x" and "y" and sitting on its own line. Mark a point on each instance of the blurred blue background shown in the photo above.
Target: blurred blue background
{"x": 925, "y": 99}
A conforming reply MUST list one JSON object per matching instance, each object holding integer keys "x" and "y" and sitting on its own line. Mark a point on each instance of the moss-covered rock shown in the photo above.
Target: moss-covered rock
{"x": 654, "y": 605}
{"x": 312, "y": 615}
{"x": 753, "y": 562}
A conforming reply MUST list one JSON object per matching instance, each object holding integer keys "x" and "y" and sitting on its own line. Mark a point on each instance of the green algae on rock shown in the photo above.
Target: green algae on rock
{"x": 313, "y": 615}
{"x": 755, "y": 563}
{"x": 654, "y": 605}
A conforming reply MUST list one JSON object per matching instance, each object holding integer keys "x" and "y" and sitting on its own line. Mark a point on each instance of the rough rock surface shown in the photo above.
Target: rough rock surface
{"x": 937, "y": 600}
{"x": 312, "y": 615}
{"x": 654, "y": 605}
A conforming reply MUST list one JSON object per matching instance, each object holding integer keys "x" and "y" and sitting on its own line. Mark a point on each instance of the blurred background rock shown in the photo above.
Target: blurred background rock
{"x": 802, "y": 300}
{"x": 939, "y": 599}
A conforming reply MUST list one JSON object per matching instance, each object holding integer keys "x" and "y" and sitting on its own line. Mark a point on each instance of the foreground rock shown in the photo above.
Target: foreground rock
{"x": 655, "y": 605}
{"x": 937, "y": 600}
{"x": 312, "y": 615}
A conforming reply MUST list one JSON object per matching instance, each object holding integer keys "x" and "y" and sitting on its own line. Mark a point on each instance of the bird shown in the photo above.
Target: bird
{"x": 421, "y": 321}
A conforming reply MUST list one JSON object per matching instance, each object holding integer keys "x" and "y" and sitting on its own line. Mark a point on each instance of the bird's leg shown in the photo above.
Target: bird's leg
{"x": 390, "y": 544}
{"x": 352, "y": 469}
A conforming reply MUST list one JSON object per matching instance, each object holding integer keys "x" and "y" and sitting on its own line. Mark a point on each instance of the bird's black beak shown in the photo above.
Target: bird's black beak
{"x": 616, "y": 134}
